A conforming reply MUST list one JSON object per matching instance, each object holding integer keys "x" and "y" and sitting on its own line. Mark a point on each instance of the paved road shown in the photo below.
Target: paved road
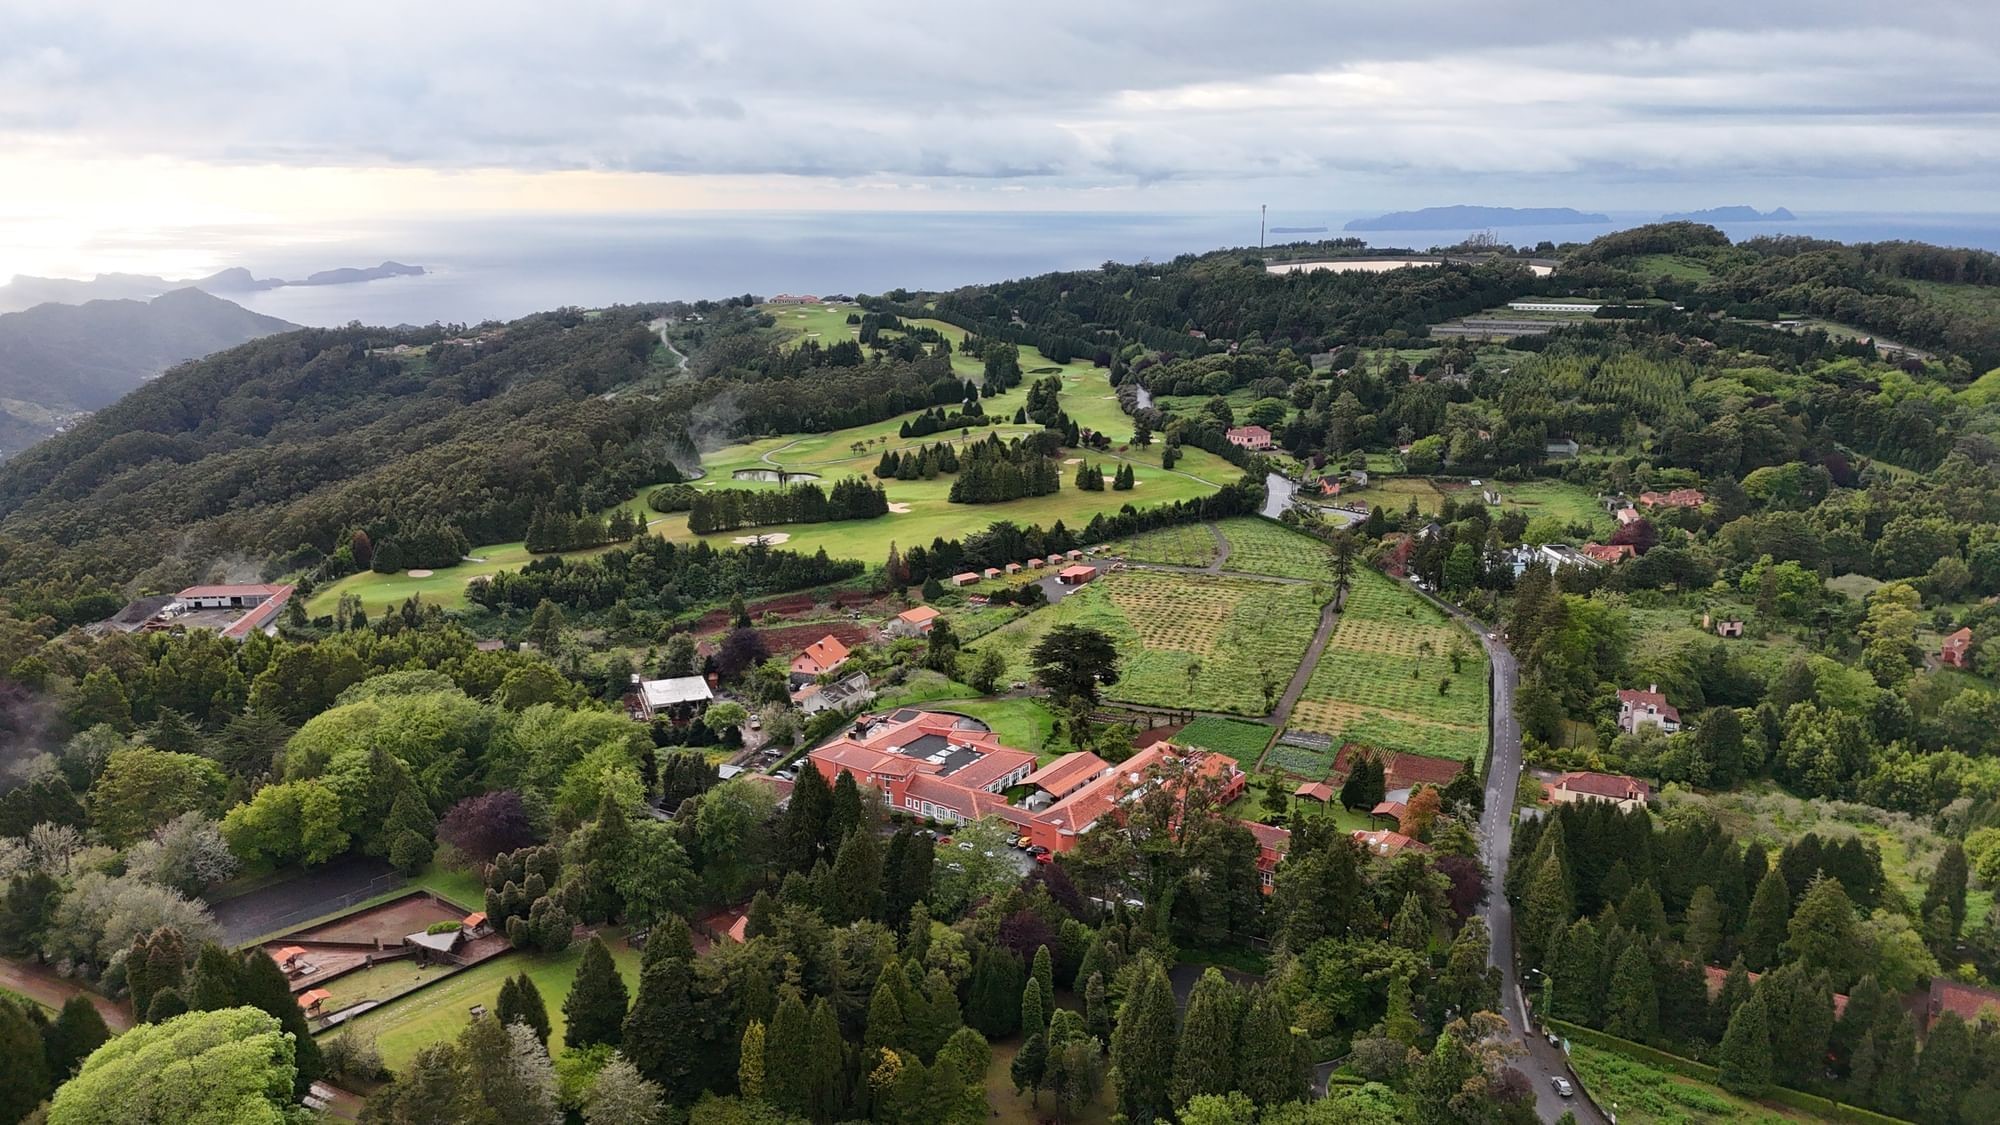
{"x": 1496, "y": 838}
{"x": 40, "y": 984}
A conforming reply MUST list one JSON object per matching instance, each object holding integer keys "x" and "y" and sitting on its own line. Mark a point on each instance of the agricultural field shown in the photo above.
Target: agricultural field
{"x": 1378, "y": 681}
{"x": 1187, "y": 544}
{"x": 1570, "y": 503}
{"x": 1307, "y": 762}
{"x": 1232, "y": 738}
{"x": 1258, "y": 546}
{"x": 1196, "y": 641}
{"x": 1395, "y": 494}
{"x": 1647, "y": 1096}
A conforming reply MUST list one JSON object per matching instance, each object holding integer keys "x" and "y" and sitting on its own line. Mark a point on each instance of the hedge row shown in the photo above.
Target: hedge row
{"x": 1688, "y": 1068}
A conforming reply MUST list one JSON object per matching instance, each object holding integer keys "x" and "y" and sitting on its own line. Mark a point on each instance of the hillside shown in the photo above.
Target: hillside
{"x": 56, "y": 360}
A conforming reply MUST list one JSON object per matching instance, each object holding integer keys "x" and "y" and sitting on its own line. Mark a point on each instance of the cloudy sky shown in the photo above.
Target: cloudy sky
{"x": 120, "y": 116}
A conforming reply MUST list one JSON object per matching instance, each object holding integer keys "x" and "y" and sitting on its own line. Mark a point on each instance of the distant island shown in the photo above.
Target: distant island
{"x": 25, "y": 292}
{"x": 1737, "y": 214}
{"x": 1298, "y": 230}
{"x": 1463, "y": 217}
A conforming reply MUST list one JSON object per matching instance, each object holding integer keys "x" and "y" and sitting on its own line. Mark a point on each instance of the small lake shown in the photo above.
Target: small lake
{"x": 772, "y": 476}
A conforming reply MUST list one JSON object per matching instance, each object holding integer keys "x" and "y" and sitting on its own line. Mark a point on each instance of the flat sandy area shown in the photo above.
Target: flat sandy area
{"x": 770, "y": 540}
{"x": 418, "y": 574}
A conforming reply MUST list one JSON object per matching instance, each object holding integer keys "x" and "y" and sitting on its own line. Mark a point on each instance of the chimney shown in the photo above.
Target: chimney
{"x": 1654, "y": 688}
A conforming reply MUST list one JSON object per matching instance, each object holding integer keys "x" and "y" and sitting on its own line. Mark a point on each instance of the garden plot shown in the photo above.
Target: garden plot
{"x": 1386, "y": 678}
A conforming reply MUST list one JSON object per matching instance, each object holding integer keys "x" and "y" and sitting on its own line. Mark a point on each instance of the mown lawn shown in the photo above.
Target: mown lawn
{"x": 1185, "y": 640}
{"x": 404, "y": 1026}
{"x": 1376, "y": 684}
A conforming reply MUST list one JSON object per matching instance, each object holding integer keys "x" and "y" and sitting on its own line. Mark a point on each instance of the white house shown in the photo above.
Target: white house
{"x": 1641, "y": 708}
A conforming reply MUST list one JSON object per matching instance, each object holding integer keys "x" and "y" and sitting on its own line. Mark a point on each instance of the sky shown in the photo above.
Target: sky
{"x": 124, "y": 121}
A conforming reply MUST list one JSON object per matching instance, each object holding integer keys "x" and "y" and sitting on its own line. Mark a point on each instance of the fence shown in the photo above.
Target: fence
{"x": 272, "y": 925}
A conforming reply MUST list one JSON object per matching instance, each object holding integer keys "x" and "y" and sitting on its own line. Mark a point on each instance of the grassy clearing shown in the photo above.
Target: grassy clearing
{"x": 1375, "y": 684}
{"x": 1569, "y": 503}
{"x": 440, "y": 1011}
{"x": 1187, "y": 640}
{"x": 1646, "y": 1096}
{"x": 1909, "y": 847}
{"x": 1670, "y": 266}
{"x": 1242, "y": 741}
{"x": 1396, "y": 493}
{"x": 1023, "y": 724}
{"x": 1258, "y": 546}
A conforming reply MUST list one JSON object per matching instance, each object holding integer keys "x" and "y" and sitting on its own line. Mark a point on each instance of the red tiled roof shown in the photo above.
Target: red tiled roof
{"x": 1394, "y": 809}
{"x": 1078, "y": 572}
{"x": 1641, "y": 699}
{"x": 1068, "y": 773}
{"x": 823, "y": 653}
{"x": 918, "y": 615}
{"x": 1249, "y": 432}
{"x": 1970, "y": 1003}
{"x": 1610, "y": 552}
{"x": 1714, "y": 978}
{"x": 1614, "y": 785}
{"x": 1273, "y": 843}
{"x": 259, "y": 615}
{"x": 475, "y": 919}
{"x": 287, "y": 953}
{"x": 1314, "y": 791}
{"x": 313, "y": 997}
{"x": 1384, "y": 842}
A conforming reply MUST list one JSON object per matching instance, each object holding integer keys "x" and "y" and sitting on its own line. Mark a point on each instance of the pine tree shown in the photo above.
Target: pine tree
{"x": 24, "y": 1068}
{"x": 787, "y": 1051}
{"x": 1412, "y": 928}
{"x": 659, "y": 1033}
{"x": 1399, "y": 1019}
{"x": 78, "y": 1030}
{"x": 887, "y": 1028}
{"x": 1744, "y": 1060}
{"x": 857, "y": 877}
{"x": 1704, "y": 924}
{"x": 1821, "y": 935}
{"x": 1770, "y": 915}
{"x": 1947, "y": 887}
{"x": 804, "y": 829}
{"x": 750, "y": 1063}
{"x": 167, "y": 1003}
{"x": 1029, "y": 1065}
{"x": 1735, "y": 992}
{"x": 1044, "y": 973}
{"x": 1270, "y": 1060}
{"x": 594, "y": 1010}
{"x": 214, "y": 985}
{"x": 262, "y": 985}
{"x": 1548, "y": 907}
{"x": 1631, "y": 1006}
{"x": 1573, "y": 977}
{"x": 1143, "y": 1046}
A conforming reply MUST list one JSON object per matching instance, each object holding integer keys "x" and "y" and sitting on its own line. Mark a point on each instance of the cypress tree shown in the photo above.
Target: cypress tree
{"x": 1548, "y": 907}
{"x": 803, "y": 832}
{"x": 670, "y": 940}
{"x": 214, "y": 985}
{"x": 1744, "y": 1060}
{"x": 826, "y": 1063}
{"x": 887, "y": 1028}
{"x": 1044, "y": 974}
{"x": 1770, "y": 915}
{"x": 1947, "y": 887}
{"x": 857, "y": 878}
{"x": 1631, "y": 1006}
{"x": 594, "y": 1010}
{"x": 167, "y": 1003}
{"x": 1642, "y": 911}
{"x": 787, "y": 1052}
{"x": 1573, "y": 992}
{"x": 1798, "y": 1008}
{"x": 1029, "y": 1065}
{"x": 524, "y": 1005}
{"x": 78, "y": 1030}
{"x": 1734, "y": 993}
{"x": 659, "y": 1034}
{"x": 1205, "y": 1061}
{"x": 261, "y": 984}
{"x": 24, "y": 1068}
{"x": 844, "y": 815}
{"x": 1271, "y": 1064}
{"x": 1143, "y": 1046}
{"x": 750, "y": 1062}
{"x": 1097, "y": 1009}
{"x": 1821, "y": 933}
{"x": 1704, "y": 924}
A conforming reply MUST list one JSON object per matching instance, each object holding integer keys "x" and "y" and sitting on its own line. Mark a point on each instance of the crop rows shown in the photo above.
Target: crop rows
{"x": 1260, "y": 547}
{"x": 1180, "y": 545}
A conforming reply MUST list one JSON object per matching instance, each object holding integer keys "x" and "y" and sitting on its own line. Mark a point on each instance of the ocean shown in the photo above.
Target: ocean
{"x": 504, "y": 267}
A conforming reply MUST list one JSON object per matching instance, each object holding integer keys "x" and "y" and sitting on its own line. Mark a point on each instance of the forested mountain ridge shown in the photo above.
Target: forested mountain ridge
{"x": 59, "y": 359}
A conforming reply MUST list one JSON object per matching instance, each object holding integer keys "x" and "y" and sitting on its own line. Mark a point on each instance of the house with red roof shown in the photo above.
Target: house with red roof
{"x": 1956, "y": 650}
{"x": 820, "y": 657}
{"x": 1642, "y": 708}
{"x": 1076, "y": 575}
{"x": 1249, "y": 437}
{"x": 1610, "y": 552}
{"x": 1273, "y": 843}
{"x": 1386, "y": 843}
{"x": 914, "y": 622}
{"x": 1972, "y": 1004}
{"x": 1715, "y": 977}
{"x": 1677, "y": 498}
{"x": 1582, "y": 785}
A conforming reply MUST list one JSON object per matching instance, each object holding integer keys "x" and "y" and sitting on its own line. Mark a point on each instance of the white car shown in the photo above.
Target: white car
{"x": 1562, "y": 1086}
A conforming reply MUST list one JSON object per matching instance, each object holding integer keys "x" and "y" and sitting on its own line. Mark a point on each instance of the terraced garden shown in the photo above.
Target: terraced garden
{"x": 1188, "y": 640}
{"x": 1378, "y": 681}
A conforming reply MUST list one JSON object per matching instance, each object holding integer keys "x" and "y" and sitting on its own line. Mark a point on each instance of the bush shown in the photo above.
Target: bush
{"x": 352, "y": 1054}
{"x": 443, "y": 927}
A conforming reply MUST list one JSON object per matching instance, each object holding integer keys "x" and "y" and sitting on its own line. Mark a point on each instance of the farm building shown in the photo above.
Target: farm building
{"x": 914, "y": 622}
{"x": 1249, "y": 437}
{"x": 991, "y": 572}
{"x": 1640, "y": 708}
{"x": 1677, "y": 498}
{"x": 1034, "y": 564}
{"x": 1956, "y": 650}
{"x": 1013, "y": 568}
{"x": 966, "y": 579}
{"x": 841, "y": 695}
{"x": 1314, "y": 791}
{"x": 1076, "y": 575}
{"x": 235, "y": 611}
{"x": 679, "y": 698}
{"x": 1617, "y": 789}
{"x": 1073, "y": 556}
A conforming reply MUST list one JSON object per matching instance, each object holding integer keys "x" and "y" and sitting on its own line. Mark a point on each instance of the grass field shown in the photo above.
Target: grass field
{"x": 1237, "y": 630}
{"x": 1023, "y": 724}
{"x": 1670, "y": 265}
{"x": 1229, "y": 737}
{"x": 1258, "y": 546}
{"x": 1395, "y": 494}
{"x": 1646, "y": 1096}
{"x": 1187, "y": 544}
{"x": 441, "y": 1011}
{"x": 1570, "y": 503}
{"x": 1373, "y": 685}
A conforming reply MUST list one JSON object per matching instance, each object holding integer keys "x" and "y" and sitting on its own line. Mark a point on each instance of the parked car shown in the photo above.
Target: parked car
{"x": 756, "y": 722}
{"x": 1045, "y": 858}
{"x": 944, "y": 841}
{"x": 1562, "y": 1086}
{"x": 1022, "y": 842}
{"x": 1038, "y": 851}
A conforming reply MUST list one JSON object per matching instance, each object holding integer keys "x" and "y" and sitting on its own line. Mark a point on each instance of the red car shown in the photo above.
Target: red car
{"x": 1045, "y": 857}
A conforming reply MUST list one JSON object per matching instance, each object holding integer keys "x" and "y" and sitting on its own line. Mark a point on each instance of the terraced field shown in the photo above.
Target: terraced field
{"x": 1378, "y": 681}
{"x": 1258, "y": 546}
{"x": 1188, "y": 640}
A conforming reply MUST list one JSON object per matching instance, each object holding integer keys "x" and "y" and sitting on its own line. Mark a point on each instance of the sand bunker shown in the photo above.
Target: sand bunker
{"x": 899, "y": 508}
{"x": 1074, "y": 461}
{"x": 416, "y": 574}
{"x": 771, "y": 540}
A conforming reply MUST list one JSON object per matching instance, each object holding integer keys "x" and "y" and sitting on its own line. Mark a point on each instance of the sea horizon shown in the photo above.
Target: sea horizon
{"x": 503, "y": 267}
